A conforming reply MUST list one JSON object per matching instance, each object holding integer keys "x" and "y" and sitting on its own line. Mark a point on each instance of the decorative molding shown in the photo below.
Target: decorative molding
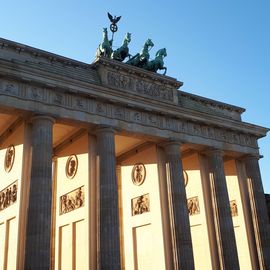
{"x": 193, "y": 206}
{"x": 140, "y": 205}
{"x": 8, "y": 195}
{"x": 138, "y": 174}
{"x": 9, "y": 158}
{"x": 131, "y": 115}
{"x": 71, "y": 166}
{"x": 72, "y": 200}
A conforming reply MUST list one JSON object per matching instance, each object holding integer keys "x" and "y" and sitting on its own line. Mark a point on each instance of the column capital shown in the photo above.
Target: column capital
{"x": 42, "y": 117}
{"x": 171, "y": 144}
{"x": 105, "y": 128}
{"x": 213, "y": 151}
{"x": 250, "y": 157}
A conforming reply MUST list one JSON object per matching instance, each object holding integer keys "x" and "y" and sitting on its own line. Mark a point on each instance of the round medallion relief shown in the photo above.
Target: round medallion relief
{"x": 71, "y": 166}
{"x": 185, "y": 177}
{"x": 138, "y": 174}
{"x": 9, "y": 158}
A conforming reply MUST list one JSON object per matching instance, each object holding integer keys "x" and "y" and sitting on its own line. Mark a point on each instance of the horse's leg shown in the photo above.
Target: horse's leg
{"x": 165, "y": 70}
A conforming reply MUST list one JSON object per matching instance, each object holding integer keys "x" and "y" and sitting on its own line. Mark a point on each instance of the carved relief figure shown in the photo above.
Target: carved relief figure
{"x": 71, "y": 166}
{"x": 193, "y": 206}
{"x": 138, "y": 174}
{"x": 8, "y": 196}
{"x": 9, "y": 158}
{"x": 72, "y": 200}
{"x": 234, "y": 209}
{"x": 140, "y": 205}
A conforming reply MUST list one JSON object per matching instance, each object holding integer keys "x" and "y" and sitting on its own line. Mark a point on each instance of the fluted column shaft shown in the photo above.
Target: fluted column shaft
{"x": 259, "y": 211}
{"x": 38, "y": 234}
{"x": 222, "y": 213}
{"x": 182, "y": 243}
{"x": 109, "y": 235}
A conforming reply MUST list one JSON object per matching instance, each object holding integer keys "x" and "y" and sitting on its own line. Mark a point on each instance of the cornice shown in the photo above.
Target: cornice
{"x": 212, "y": 102}
{"x": 38, "y": 53}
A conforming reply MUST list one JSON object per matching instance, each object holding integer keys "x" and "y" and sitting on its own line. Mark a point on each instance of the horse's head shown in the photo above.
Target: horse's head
{"x": 128, "y": 37}
{"x": 105, "y": 32}
{"x": 149, "y": 43}
{"x": 162, "y": 52}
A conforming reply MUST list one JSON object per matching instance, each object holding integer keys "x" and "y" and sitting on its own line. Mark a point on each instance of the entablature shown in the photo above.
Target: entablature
{"x": 124, "y": 97}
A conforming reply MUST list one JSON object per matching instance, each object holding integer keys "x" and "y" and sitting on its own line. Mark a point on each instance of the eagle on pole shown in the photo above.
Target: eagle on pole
{"x": 114, "y": 20}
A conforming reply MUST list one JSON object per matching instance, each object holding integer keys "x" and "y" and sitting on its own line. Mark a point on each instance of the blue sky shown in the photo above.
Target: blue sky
{"x": 219, "y": 49}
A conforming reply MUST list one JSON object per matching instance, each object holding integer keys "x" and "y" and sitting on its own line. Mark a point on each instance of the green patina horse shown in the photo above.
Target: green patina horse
{"x": 157, "y": 63}
{"x": 105, "y": 47}
{"x": 141, "y": 59}
{"x": 121, "y": 53}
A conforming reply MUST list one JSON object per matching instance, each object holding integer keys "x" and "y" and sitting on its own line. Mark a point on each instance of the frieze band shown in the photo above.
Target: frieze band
{"x": 89, "y": 105}
{"x": 142, "y": 87}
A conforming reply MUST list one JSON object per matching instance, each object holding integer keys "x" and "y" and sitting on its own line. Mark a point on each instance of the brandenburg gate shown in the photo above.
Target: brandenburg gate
{"x": 112, "y": 166}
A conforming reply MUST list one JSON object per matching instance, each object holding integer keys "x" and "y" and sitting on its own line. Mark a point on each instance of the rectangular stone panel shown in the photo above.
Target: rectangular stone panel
{"x": 80, "y": 249}
{"x": 200, "y": 248}
{"x": 12, "y": 243}
{"x": 2, "y": 244}
{"x": 143, "y": 247}
{"x": 65, "y": 248}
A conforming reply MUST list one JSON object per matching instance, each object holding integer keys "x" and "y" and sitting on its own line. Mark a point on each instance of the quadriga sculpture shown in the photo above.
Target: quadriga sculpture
{"x": 158, "y": 62}
{"x": 141, "y": 59}
{"x": 122, "y": 52}
{"x": 105, "y": 47}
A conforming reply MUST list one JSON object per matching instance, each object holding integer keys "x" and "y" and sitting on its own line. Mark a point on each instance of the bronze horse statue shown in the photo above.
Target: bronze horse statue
{"x": 122, "y": 52}
{"x": 105, "y": 47}
{"x": 158, "y": 62}
{"x": 141, "y": 59}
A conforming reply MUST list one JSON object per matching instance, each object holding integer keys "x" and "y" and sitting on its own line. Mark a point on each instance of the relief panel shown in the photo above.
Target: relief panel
{"x": 140, "y": 205}
{"x": 8, "y": 196}
{"x": 234, "y": 209}
{"x": 193, "y": 206}
{"x": 72, "y": 200}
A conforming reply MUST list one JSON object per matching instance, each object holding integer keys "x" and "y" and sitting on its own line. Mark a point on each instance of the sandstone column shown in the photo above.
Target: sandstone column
{"x": 38, "y": 234}
{"x": 208, "y": 201}
{"x": 222, "y": 213}
{"x": 243, "y": 188}
{"x": 109, "y": 235}
{"x": 93, "y": 200}
{"x": 259, "y": 210}
{"x": 182, "y": 244}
